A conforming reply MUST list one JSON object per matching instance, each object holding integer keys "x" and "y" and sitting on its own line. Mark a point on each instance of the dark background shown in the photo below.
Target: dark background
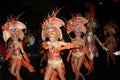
{"x": 37, "y": 10}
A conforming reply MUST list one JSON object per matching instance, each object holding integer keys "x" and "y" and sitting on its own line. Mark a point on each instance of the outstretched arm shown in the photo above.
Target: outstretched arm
{"x": 101, "y": 43}
{"x": 65, "y": 46}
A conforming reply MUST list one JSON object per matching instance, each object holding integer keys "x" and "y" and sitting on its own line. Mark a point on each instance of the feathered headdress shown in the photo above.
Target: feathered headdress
{"x": 110, "y": 28}
{"x": 76, "y": 24}
{"x": 13, "y": 27}
{"x": 52, "y": 24}
{"x": 91, "y": 15}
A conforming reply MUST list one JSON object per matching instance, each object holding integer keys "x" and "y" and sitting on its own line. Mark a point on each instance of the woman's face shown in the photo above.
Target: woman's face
{"x": 14, "y": 37}
{"x": 77, "y": 34}
{"x": 52, "y": 38}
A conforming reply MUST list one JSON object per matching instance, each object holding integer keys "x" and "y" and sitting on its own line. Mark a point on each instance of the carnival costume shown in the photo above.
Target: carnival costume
{"x": 110, "y": 31}
{"x": 11, "y": 29}
{"x": 51, "y": 27}
{"x": 76, "y": 25}
{"x": 90, "y": 38}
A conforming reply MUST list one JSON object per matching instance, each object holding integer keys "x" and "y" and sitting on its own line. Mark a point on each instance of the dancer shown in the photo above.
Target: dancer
{"x": 51, "y": 30}
{"x": 76, "y": 25}
{"x": 110, "y": 31}
{"x": 13, "y": 30}
{"x": 91, "y": 38}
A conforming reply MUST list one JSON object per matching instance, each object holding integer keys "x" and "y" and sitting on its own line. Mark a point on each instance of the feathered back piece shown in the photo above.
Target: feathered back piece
{"x": 91, "y": 10}
{"x": 52, "y": 24}
{"x": 13, "y": 27}
{"x": 76, "y": 24}
{"x": 91, "y": 15}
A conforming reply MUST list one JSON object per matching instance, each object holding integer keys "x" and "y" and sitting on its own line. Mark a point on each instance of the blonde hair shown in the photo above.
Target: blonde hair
{"x": 54, "y": 34}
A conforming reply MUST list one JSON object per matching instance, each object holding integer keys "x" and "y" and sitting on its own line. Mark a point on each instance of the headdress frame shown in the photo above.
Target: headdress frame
{"x": 6, "y": 28}
{"x": 77, "y": 24}
{"x": 52, "y": 24}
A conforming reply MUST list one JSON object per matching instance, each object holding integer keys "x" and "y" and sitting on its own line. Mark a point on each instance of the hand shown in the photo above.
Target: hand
{"x": 117, "y": 53}
{"x": 106, "y": 49}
